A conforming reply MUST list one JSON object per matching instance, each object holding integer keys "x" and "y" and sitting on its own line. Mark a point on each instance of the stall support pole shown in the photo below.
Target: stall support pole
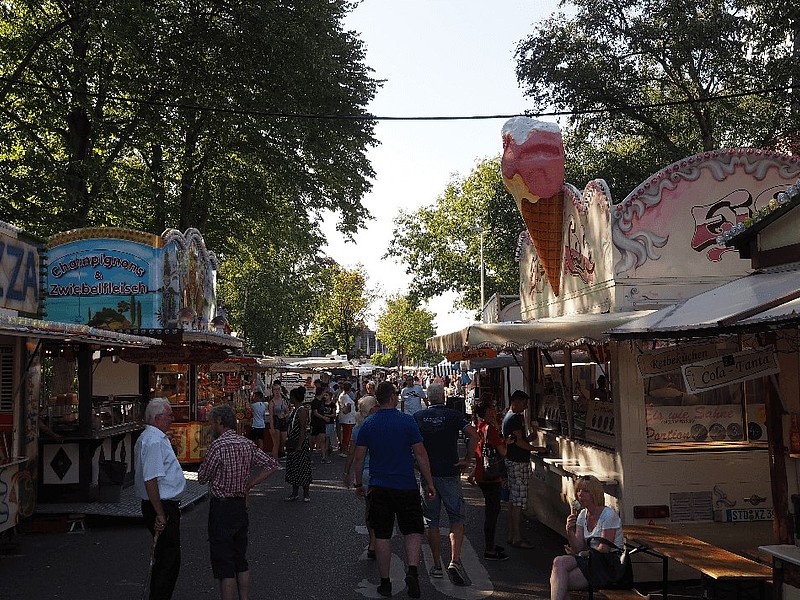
{"x": 85, "y": 413}
{"x": 777, "y": 466}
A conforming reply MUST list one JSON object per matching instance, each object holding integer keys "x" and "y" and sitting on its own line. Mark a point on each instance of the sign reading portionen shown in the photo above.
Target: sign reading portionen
{"x": 733, "y": 368}
{"x": 472, "y": 354}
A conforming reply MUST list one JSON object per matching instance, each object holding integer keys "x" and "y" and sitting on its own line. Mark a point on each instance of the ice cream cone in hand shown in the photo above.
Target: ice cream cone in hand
{"x": 533, "y": 172}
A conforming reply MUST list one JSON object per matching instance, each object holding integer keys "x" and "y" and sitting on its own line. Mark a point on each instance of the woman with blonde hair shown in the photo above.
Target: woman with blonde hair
{"x": 595, "y": 520}
{"x": 366, "y": 406}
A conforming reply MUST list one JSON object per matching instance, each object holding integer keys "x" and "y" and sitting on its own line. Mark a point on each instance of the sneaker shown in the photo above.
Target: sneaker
{"x": 457, "y": 574}
{"x": 290, "y": 498}
{"x": 343, "y": 454}
{"x": 385, "y": 589}
{"x": 306, "y": 499}
{"x": 412, "y": 583}
{"x": 436, "y": 572}
{"x": 496, "y": 555}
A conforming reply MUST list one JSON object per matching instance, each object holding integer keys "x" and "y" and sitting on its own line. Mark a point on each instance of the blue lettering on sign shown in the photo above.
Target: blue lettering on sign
{"x": 23, "y": 277}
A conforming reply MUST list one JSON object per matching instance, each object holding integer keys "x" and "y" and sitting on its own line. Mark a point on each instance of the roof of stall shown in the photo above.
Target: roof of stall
{"x": 759, "y": 301}
{"x": 71, "y": 332}
{"x": 550, "y": 333}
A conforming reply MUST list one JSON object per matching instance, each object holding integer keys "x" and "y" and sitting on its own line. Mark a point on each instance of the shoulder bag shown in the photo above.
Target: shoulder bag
{"x": 609, "y": 570}
{"x": 494, "y": 466}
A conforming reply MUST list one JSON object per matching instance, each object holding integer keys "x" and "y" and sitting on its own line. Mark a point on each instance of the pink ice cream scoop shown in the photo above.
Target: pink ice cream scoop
{"x": 535, "y": 151}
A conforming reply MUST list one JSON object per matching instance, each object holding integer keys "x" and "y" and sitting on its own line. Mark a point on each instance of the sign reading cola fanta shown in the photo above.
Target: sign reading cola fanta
{"x": 19, "y": 272}
{"x": 730, "y": 369}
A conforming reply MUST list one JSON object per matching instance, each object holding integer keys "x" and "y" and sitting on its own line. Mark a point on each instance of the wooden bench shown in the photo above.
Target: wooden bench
{"x": 608, "y": 595}
{"x": 713, "y": 563}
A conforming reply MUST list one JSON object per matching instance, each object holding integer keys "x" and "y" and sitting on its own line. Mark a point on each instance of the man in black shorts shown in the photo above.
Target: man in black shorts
{"x": 232, "y": 466}
{"x": 393, "y": 440}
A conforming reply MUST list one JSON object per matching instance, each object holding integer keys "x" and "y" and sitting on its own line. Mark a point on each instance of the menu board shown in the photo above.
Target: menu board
{"x": 704, "y": 423}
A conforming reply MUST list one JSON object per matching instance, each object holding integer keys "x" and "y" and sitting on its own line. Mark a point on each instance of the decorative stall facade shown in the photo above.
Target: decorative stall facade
{"x": 163, "y": 287}
{"x": 738, "y": 344}
{"x": 27, "y": 345}
{"x": 597, "y": 411}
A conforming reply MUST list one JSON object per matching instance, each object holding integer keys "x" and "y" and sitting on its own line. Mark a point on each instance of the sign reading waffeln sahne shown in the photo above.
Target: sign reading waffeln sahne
{"x": 733, "y": 368}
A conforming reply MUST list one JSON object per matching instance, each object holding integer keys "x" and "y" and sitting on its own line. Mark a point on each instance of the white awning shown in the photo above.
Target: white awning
{"x": 550, "y": 333}
{"x": 757, "y": 301}
{"x": 71, "y": 332}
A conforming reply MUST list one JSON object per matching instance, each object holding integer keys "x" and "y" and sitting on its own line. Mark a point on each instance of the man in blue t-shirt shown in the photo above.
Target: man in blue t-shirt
{"x": 393, "y": 440}
{"x": 440, "y": 427}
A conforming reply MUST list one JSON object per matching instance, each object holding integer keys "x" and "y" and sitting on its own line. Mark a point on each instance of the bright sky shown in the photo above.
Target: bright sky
{"x": 438, "y": 57}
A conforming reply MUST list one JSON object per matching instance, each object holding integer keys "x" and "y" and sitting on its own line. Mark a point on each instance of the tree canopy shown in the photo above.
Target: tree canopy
{"x": 650, "y": 82}
{"x": 443, "y": 254}
{"x": 235, "y": 118}
{"x": 342, "y": 308}
{"x": 404, "y": 327}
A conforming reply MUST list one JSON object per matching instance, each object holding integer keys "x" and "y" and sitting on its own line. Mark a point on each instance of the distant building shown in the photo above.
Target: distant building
{"x": 366, "y": 344}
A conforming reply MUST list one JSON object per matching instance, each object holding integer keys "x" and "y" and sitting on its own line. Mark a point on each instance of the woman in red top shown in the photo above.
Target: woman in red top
{"x": 489, "y": 433}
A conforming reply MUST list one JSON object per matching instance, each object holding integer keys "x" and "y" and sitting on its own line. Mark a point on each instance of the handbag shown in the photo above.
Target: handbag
{"x": 609, "y": 570}
{"x": 293, "y": 441}
{"x": 494, "y": 465}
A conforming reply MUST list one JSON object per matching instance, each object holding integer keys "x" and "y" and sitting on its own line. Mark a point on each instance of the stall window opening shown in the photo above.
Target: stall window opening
{"x": 729, "y": 416}
{"x": 575, "y": 399}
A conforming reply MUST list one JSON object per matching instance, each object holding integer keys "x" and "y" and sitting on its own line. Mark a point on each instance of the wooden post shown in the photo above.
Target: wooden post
{"x": 781, "y": 525}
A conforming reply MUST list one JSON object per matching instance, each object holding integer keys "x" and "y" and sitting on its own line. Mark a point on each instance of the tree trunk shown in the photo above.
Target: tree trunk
{"x": 79, "y": 129}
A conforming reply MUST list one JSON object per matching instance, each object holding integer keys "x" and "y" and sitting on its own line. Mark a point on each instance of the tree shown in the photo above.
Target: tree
{"x": 233, "y": 117}
{"x": 643, "y": 80}
{"x": 441, "y": 252}
{"x": 268, "y": 292}
{"x": 155, "y": 114}
{"x": 342, "y": 309}
{"x": 404, "y": 328}
{"x": 383, "y": 359}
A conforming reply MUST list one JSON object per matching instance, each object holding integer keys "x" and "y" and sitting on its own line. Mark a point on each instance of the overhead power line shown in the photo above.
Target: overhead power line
{"x": 370, "y": 117}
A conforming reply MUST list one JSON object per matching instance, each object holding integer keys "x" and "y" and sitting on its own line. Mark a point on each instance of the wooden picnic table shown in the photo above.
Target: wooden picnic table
{"x": 712, "y": 562}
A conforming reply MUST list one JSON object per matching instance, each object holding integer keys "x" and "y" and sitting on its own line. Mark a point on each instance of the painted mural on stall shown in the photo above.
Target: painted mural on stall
{"x": 660, "y": 244}
{"x": 121, "y": 279}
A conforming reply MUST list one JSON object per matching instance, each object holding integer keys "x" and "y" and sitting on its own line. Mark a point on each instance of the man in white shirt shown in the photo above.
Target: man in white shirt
{"x": 159, "y": 483}
{"x": 347, "y": 417}
{"x": 412, "y": 397}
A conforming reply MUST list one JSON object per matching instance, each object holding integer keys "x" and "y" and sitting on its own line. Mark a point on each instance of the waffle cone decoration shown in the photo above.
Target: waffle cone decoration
{"x": 544, "y": 220}
{"x": 533, "y": 172}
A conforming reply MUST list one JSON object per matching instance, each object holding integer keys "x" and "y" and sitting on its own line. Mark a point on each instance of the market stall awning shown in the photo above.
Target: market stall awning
{"x": 757, "y": 301}
{"x": 71, "y": 332}
{"x": 550, "y": 333}
{"x": 248, "y": 363}
{"x": 320, "y": 362}
{"x": 184, "y": 346}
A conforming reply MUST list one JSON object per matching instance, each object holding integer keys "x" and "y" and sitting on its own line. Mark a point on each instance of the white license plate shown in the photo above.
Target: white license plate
{"x": 748, "y": 514}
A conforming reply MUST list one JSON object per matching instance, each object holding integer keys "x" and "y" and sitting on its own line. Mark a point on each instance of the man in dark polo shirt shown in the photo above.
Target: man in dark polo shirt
{"x": 440, "y": 427}
{"x": 518, "y": 464}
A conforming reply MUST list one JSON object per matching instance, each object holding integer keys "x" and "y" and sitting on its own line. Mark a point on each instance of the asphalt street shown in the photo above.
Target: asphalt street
{"x": 314, "y": 550}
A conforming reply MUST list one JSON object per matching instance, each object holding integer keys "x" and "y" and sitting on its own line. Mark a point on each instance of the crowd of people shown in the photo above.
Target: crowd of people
{"x": 401, "y": 448}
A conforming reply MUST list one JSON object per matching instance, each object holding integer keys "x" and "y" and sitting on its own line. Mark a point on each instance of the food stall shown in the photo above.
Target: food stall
{"x": 31, "y": 352}
{"x": 639, "y": 428}
{"x": 162, "y": 287}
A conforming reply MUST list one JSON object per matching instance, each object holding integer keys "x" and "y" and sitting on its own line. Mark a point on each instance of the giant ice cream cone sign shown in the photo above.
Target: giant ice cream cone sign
{"x": 533, "y": 172}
